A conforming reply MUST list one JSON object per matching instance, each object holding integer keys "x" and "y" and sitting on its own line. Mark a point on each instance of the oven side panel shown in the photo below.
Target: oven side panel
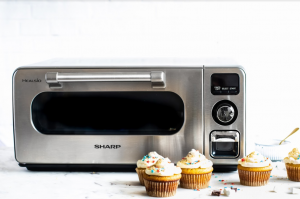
{"x": 211, "y": 100}
{"x": 33, "y": 147}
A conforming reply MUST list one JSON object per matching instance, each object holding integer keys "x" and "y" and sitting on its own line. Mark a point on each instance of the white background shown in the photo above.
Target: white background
{"x": 264, "y": 37}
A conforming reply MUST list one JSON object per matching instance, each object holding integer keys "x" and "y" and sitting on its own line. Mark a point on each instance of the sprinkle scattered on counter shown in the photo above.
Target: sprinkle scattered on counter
{"x": 216, "y": 193}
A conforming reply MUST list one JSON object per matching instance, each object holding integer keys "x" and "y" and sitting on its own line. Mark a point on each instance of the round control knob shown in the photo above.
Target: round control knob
{"x": 224, "y": 112}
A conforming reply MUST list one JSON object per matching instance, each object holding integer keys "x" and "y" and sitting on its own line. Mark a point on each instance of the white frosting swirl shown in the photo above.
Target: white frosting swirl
{"x": 148, "y": 160}
{"x": 194, "y": 159}
{"x": 293, "y": 158}
{"x": 163, "y": 167}
{"x": 254, "y": 159}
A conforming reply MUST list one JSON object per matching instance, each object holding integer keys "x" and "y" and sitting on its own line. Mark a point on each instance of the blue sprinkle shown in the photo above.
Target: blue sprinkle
{"x": 216, "y": 176}
{"x": 225, "y": 187}
{"x": 238, "y": 189}
{"x": 271, "y": 176}
{"x": 209, "y": 186}
{"x": 231, "y": 186}
{"x": 220, "y": 180}
{"x": 195, "y": 189}
{"x": 152, "y": 171}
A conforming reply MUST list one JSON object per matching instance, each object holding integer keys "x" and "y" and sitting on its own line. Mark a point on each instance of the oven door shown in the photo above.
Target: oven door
{"x": 106, "y": 116}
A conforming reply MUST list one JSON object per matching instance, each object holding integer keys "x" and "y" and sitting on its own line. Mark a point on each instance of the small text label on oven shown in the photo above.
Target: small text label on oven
{"x": 97, "y": 146}
{"x": 32, "y": 80}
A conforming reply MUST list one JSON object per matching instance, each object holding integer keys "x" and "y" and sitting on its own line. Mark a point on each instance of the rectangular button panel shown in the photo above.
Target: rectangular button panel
{"x": 225, "y": 84}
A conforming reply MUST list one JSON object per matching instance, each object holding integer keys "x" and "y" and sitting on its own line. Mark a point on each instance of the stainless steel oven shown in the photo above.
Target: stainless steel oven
{"x": 108, "y": 114}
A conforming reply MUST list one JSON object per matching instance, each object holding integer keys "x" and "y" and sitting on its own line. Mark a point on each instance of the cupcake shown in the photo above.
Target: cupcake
{"x": 147, "y": 161}
{"x": 292, "y": 164}
{"x": 162, "y": 179}
{"x": 254, "y": 169}
{"x": 196, "y": 170}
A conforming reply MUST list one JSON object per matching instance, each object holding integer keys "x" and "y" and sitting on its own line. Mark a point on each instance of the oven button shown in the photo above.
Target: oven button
{"x": 224, "y": 112}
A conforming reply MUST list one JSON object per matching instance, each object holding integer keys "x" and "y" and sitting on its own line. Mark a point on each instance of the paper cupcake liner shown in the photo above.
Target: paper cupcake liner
{"x": 195, "y": 181}
{"x": 293, "y": 173}
{"x": 140, "y": 174}
{"x": 161, "y": 189}
{"x": 254, "y": 178}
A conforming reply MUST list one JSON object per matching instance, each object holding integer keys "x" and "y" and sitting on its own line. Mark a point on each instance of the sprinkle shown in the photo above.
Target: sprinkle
{"x": 220, "y": 180}
{"x": 216, "y": 176}
{"x": 220, "y": 189}
{"x": 238, "y": 189}
{"x": 225, "y": 183}
{"x": 213, "y": 174}
{"x": 232, "y": 183}
{"x": 153, "y": 161}
{"x": 225, "y": 187}
{"x": 243, "y": 159}
{"x": 152, "y": 171}
{"x": 209, "y": 186}
{"x": 147, "y": 161}
{"x": 157, "y": 170}
{"x": 195, "y": 189}
{"x": 271, "y": 176}
{"x": 198, "y": 189}
{"x": 261, "y": 161}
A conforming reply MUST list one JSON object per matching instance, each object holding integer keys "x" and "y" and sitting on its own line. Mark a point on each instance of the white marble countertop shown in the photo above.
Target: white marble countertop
{"x": 17, "y": 182}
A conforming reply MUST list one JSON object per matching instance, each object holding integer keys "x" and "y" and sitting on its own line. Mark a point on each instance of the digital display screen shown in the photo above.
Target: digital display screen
{"x": 225, "y": 80}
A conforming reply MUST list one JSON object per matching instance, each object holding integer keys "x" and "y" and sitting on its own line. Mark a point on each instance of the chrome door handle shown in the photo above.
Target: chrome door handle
{"x": 157, "y": 78}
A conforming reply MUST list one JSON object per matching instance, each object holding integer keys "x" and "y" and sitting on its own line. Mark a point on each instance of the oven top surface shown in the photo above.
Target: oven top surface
{"x": 132, "y": 63}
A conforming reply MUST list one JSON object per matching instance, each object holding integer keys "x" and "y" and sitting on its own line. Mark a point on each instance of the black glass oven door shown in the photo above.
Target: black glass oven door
{"x": 107, "y": 113}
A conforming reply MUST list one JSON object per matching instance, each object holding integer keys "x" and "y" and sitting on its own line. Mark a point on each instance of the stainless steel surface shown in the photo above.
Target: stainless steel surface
{"x": 190, "y": 82}
{"x": 210, "y": 100}
{"x": 34, "y": 147}
{"x": 225, "y": 113}
{"x": 226, "y": 134}
{"x": 158, "y": 78}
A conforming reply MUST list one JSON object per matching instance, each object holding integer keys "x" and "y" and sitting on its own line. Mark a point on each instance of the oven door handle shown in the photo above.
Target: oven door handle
{"x": 157, "y": 78}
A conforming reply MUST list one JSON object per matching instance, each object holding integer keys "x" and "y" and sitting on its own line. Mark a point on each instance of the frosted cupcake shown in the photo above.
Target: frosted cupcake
{"x": 292, "y": 164}
{"x": 147, "y": 161}
{"x": 196, "y": 170}
{"x": 254, "y": 169}
{"x": 162, "y": 179}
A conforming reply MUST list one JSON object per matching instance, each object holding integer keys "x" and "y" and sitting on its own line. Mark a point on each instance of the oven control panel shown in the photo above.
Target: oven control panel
{"x": 225, "y": 84}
